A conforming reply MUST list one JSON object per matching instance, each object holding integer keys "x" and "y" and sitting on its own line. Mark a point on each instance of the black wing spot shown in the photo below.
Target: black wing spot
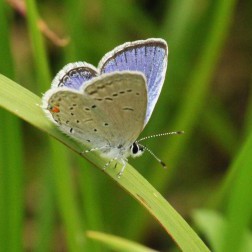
{"x": 92, "y": 92}
{"x": 106, "y": 124}
{"x": 67, "y": 122}
{"x": 128, "y": 109}
{"x": 122, "y": 92}
{"x": 94, "y": 106}
{"x": 71, "y": 108}
{"x": 71, "y": 130}
{"x": 87, "y": 109}
{"x": 137, "y": 93}
{"x": 74, "y": 105}
{"x": 59, "y": 99}
{"x": 115, "y": 94}
{"x": 77, "y": 121}
{"x": 72, "y": 114}
{"x": 108, "y": 99}
{"x": 98, "y": 99}
{"x": 129, "y": 90}
{"x": 95, "y": 130}
{"x": 88, "y": 141}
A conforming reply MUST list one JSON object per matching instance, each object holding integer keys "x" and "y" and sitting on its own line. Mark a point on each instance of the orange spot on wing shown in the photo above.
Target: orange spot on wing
{"x": 55, "y": 109}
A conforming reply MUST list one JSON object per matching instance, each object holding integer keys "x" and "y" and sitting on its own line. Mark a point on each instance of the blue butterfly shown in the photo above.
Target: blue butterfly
{"x": 107, "y": 107}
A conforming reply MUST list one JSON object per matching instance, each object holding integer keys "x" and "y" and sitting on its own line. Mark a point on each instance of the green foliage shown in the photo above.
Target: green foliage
{"x": 49, "y": 194}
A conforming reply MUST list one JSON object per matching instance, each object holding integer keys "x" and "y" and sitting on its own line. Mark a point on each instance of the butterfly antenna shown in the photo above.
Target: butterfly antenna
{"x": 161, "y": 134}
{"x": 158, "y": 159}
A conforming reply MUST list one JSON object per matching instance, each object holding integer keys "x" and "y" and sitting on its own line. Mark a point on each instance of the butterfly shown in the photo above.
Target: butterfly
{"x": 106, "y": 108}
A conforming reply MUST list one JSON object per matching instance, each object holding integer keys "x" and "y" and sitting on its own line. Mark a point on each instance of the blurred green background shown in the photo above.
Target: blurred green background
{"x": 207, "y": 93}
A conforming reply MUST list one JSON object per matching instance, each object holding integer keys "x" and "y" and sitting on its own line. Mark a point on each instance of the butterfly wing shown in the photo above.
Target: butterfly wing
{"x": 73, "y": 75}
{"x": 108, "y": 112}
{"x": 147, "y": 56}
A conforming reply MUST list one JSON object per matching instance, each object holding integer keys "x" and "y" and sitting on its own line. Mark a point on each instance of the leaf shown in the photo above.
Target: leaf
{"x": 118, "y": 243}
{"x": 26, "y": 105}
{"x": 212, "y": 224}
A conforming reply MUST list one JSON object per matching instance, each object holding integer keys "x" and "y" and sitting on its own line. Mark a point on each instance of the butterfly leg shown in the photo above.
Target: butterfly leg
{"x": 115, "y": 165}
{"x": 109, "y": 162}
{"x": 123, "y": 167}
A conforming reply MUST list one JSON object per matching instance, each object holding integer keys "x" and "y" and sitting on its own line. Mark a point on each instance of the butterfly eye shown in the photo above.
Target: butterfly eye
{"x": 136, "y": 150}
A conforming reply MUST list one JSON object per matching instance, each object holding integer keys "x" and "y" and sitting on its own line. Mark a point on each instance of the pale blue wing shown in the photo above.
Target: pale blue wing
{"x": 147, "y": 56}
{"x": 73, "y": 75}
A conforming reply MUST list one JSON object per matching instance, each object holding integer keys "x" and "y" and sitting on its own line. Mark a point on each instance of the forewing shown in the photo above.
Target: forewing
{"x": 147, "y": 56}
{"x": 73, "y": 75}
{"x": 108, "y": 112}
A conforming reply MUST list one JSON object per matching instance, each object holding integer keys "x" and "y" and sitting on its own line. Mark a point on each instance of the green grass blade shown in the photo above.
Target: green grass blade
{"x": 239, "y": 207}
{"x": 59, "y": 158}
{"x": 3, "y": 186}
{"x": 11, "y": 181}
{"x": 11, "y": 155}
{"x": 231, "y": 176}
{"x": 26, "y": 105}
{"x": 117, "y": 243}
{"x": 198, "y": 84}
{"x": 75, "y": 14}
{"x": 44, "y": 215}
{"x": 14, "y": 182}
{"x": 39, "y": 51}
{"x": 212, "y": 225}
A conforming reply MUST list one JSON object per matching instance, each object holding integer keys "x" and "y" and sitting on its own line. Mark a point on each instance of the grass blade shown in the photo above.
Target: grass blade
{"x": 117, "y": 243}
{"x": 59, "y": 162}
{"x": 11, "y": 155}
{"x": 239, "y": 207}
{"x": 25, "y": 104}
{"x": 212, "y": 225}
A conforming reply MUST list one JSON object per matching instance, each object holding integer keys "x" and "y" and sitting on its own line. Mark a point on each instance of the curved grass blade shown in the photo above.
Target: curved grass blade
{"x": 26, "y": 105}
{"x": 117, "y": 243}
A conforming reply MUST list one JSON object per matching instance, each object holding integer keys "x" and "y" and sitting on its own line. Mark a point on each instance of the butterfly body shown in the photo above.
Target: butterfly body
{"x": 107, "y": 108}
